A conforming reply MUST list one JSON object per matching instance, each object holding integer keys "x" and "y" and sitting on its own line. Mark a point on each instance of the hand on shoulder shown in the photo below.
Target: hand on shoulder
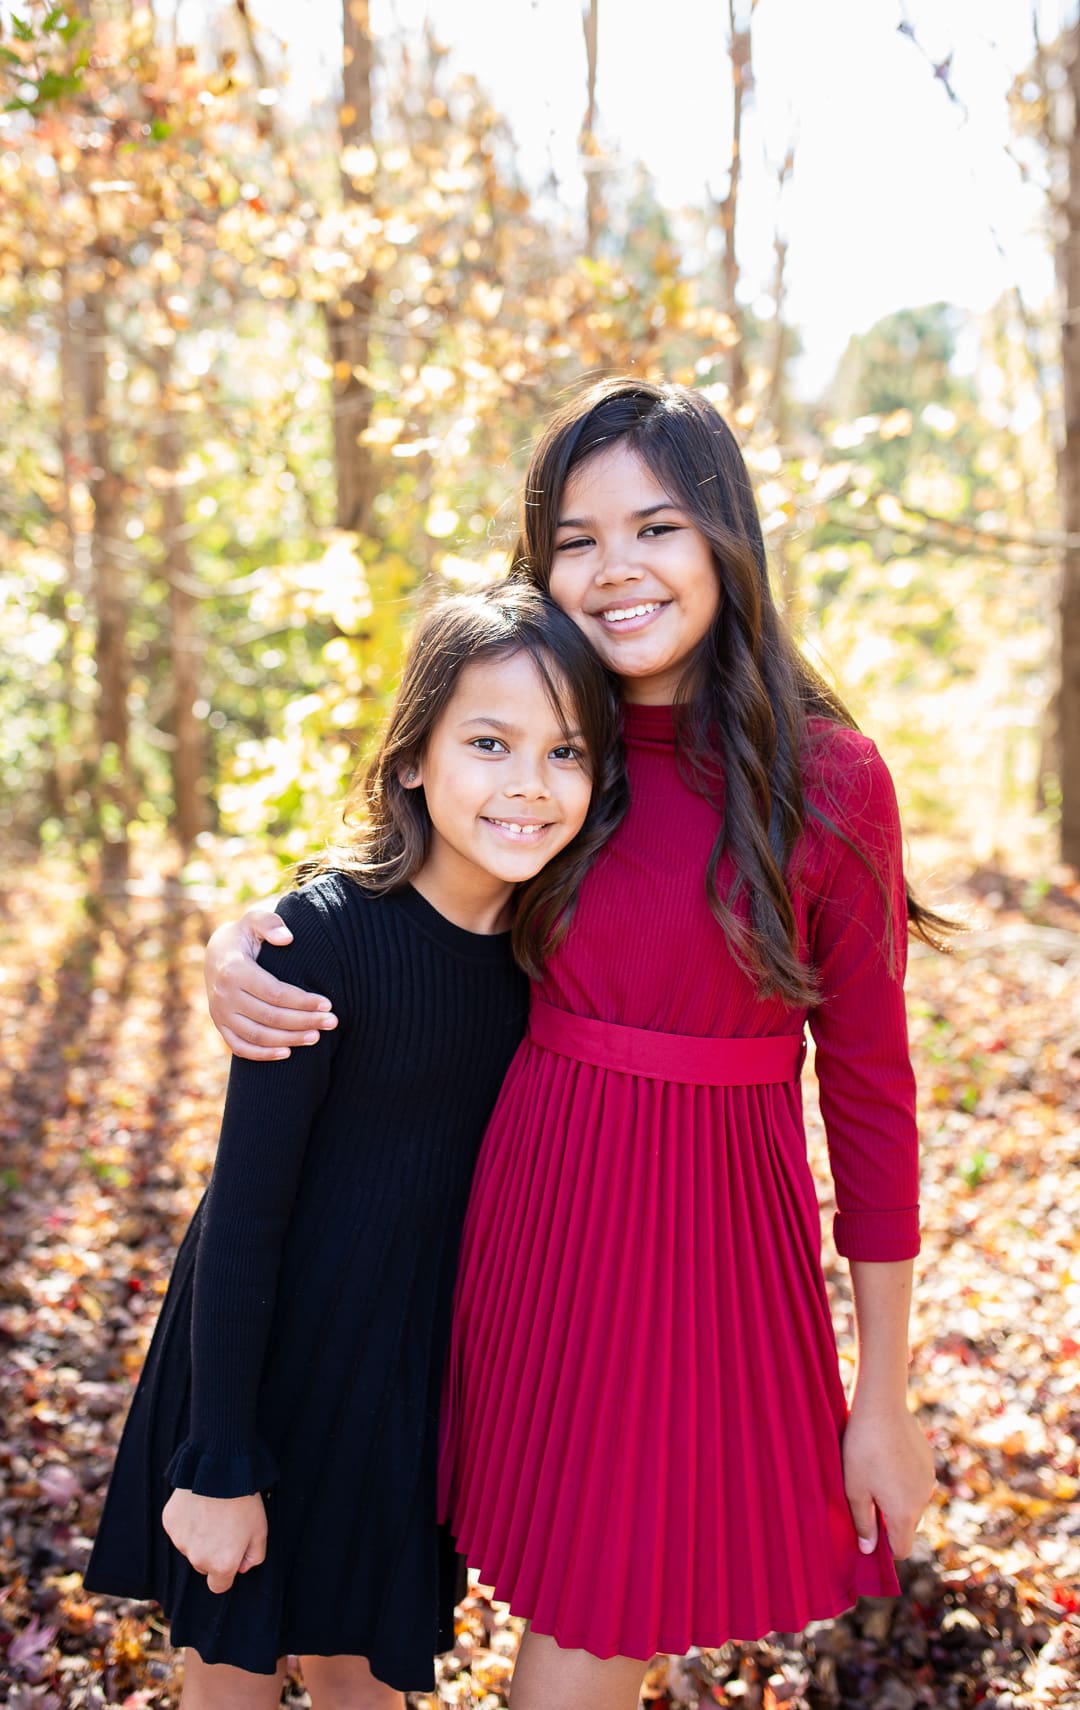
{"x": 259, "y": 1016}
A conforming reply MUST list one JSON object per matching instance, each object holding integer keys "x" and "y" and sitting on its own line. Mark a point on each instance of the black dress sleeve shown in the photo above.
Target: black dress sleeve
{"x": 270, "y": 1109}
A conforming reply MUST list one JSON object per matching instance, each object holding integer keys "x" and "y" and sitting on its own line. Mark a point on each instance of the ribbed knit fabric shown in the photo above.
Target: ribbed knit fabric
{"x": 658, "y": 1464}
{"x": 303, "y": 1338}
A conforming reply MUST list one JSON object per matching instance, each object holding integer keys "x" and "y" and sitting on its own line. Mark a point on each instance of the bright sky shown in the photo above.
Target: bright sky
{"x": 896, "y": 195}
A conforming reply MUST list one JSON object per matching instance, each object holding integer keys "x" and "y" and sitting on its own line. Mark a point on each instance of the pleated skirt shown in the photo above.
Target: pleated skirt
{"x": 642, "y": 1418}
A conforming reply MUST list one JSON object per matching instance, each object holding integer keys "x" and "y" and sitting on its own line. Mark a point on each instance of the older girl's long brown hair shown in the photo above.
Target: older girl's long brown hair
{"x": 748, "y": 693}
{"x": 389, "y": 826}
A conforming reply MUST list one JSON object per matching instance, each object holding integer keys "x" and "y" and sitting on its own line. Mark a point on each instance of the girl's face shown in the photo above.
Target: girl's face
{"x": 634, "y": 572}
{"x": 505, "y": 787}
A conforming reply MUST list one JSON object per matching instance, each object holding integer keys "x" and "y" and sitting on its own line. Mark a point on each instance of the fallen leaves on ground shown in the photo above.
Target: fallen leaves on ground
{"x": 109, "y": 1098}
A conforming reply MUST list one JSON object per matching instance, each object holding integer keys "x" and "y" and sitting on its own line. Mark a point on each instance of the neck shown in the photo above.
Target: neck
{"x": 482, "y": 906}
{"x": 651, "y": 691}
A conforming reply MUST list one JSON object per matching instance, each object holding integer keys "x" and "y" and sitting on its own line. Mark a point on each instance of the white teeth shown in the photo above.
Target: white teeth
{"x": 621, "y": 614}
{"x": 519, "y": 830}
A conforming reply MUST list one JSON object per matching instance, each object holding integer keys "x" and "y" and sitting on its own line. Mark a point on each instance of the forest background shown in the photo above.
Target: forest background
{"x": 269, "y": 367}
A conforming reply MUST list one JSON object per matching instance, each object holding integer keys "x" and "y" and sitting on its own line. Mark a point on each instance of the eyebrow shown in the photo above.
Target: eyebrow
{"x": 636, "y": 516}
{"x": 513, "y": 729}
{"x": 494, "y": 723}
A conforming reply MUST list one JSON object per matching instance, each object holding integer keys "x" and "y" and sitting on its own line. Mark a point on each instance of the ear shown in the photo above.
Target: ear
{"x": 409, "y": 777}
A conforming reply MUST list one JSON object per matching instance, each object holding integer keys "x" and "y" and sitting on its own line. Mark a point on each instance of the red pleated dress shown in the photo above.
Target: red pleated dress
{"x": 643, "y": 1409}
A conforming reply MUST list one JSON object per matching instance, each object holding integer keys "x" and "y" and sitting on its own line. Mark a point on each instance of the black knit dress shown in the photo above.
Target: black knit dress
{"x": 301, "y": 1344}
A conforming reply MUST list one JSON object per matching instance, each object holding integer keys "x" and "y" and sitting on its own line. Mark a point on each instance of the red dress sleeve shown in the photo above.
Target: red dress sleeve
{"x": 858, "y": 944}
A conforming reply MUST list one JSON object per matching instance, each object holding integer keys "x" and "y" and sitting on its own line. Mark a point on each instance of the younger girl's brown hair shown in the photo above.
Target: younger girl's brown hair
{"x": 389, "y": 824}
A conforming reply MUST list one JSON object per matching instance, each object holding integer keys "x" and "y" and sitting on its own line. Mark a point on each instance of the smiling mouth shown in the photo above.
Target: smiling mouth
{"x": 618, "y": 616}
{"x": 518, "y": 831}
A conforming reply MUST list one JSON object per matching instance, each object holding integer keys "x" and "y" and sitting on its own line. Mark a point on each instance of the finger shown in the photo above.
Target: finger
{"x": 218, "y": 1581}
{"x": 267, "y": 926}
{"x": 901, "y": 1535}
{"x": 251, "y": 1053}
{"x": 254, "y": 1555}
{"x": 255, "y": 985}
{"x": 276, "y": 1038}
{"x": 248, "y": 1007}
{"x": 865, "y": 1518}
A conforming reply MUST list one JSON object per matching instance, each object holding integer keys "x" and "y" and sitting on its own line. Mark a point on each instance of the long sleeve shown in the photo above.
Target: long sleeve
{"x": 858, "y": 942}
{"x": 269, "y": 1112}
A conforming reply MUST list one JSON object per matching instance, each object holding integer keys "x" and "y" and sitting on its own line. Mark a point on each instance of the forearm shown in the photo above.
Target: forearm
{"x": 882, "y": 1294}
{"x": 266, "y": 1128}
{"x": 243, "y": 1224}
{"x": 233, "y": 1302}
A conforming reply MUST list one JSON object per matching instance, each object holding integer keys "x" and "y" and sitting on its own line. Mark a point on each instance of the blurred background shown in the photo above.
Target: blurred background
{"x": 288, "y": 289}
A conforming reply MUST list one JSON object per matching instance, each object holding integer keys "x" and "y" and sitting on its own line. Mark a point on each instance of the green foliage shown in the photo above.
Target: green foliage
{"x": 215, "y": 242}
{"x": 46, "y": 72}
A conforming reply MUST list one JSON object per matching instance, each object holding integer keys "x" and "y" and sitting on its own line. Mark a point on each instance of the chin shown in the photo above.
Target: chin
{"x": 521, "y": 875}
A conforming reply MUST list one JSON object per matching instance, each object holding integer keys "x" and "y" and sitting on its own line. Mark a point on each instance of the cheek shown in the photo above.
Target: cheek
{"x": 708, "y": 598}
{"x": 566, "y": 589}
{"x": 581, "y": 800}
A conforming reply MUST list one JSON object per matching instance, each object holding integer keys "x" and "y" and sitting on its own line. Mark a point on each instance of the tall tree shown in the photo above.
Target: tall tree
{"x": 1045, "y": 104}
{"x": 587, "y": 143}
{"x": 112, "y": 668}
{"x": 187, "y": 747}
{"x": 739, "y": 57}
{"x": 349, "y": 318}
{"x": 776, "y": 398}
{"x": 1069, "y": 474}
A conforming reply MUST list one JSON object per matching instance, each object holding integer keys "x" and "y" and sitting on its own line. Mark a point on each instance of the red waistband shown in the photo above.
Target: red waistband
{"x": 667, "y": 1056}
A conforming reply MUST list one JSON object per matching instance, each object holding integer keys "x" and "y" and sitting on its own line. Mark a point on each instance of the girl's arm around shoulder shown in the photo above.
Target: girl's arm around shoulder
{"x": 270, "y": 1113}
{"x": 259, "y": 1016}
{"x": 321, "y": 919}
{"x": 858, "y": 946}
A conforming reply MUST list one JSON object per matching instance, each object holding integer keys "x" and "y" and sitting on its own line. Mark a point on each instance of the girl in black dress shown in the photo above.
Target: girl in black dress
{"x": 275, "y": 1485}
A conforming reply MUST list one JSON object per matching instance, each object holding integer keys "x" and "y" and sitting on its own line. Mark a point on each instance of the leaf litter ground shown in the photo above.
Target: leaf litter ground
{"x": 111, "y": 1086}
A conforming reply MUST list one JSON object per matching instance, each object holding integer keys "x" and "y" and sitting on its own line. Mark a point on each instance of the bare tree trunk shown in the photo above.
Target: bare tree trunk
{"x": 265, "y": 121}
{"x": 741, "y": 79}
{"x": 587, "y": 145}
{"x": 64, "y": 767}
{"x": 110, "y": 603}
{"x": 349, "y": 320}
{"x": 1069, "y": 482}
{"x": 188, "y": 746}
{"x": 776, "y": 400}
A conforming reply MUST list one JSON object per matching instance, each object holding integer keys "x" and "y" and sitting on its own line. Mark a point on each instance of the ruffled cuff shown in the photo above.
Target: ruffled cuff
{"x": 880, "y": 1236}
{"x": 198, "y": 1469}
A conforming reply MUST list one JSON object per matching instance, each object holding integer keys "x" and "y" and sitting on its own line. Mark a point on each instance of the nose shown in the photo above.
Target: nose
{"x": 529, "y": 781}
{"x": 618, "y": 567}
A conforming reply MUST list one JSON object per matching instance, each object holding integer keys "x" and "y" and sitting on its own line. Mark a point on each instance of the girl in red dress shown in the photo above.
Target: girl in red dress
{"x": 646, "y": 1444}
